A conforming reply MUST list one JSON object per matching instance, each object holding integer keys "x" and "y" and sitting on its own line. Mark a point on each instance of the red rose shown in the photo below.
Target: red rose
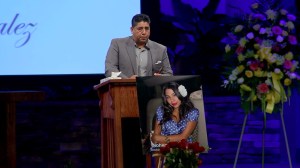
{"x": 196, "y": 148}
{"x": 199, "y": 149}
{"x": 164, "y": 150}
{"x": 276, "y": 48}
{"x": 183, "y": 144}
{"x": 254, "y": 65}
{"x": 263, "y": 88}
{"x": 287, "y": 64}
{"x": 193, "y": 145}
{"x": 239, "y": 50}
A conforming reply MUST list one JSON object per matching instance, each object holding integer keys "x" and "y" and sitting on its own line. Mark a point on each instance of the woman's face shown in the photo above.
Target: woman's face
{"x": 172, "y": 99}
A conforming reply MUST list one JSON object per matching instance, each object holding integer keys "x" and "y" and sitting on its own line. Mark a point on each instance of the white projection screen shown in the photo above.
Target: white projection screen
{"x": 60, "y": 36}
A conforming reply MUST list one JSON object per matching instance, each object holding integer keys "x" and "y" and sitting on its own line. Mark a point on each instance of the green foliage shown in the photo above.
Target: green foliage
{"x": 68, "y": 164}
{"x": 179, "y": 158}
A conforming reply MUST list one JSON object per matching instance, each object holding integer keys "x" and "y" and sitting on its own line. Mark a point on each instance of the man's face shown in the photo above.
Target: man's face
{"x": 141, "y": 33}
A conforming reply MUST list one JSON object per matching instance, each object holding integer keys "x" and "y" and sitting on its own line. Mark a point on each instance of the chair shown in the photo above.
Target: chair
{"x": 200, "y": 132}
{"x": 151, "y": 111}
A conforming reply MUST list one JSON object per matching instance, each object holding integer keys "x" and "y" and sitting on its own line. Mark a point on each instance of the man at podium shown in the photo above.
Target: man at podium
{"x": 137, "y": 55}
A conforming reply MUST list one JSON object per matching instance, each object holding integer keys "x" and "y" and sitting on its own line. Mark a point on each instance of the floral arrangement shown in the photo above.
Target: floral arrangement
{"x": 182, "y": 154}
{"x": 265, "y": 65}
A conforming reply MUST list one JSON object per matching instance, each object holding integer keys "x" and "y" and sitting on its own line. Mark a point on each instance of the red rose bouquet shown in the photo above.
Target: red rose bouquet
{"x": 182, "y": 154}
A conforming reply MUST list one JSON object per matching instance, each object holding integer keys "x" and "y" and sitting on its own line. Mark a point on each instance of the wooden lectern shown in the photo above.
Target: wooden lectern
{"x": 118, "y": 99}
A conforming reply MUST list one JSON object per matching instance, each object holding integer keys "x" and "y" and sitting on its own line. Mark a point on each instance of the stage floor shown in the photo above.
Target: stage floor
{"x": 250, "y": 166}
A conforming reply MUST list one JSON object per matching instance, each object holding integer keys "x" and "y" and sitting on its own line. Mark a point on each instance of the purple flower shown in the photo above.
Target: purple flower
{"x": 292, "y": 75}
{"x": 259, "y": 16}
{"x": 292, "y": 39}
{"x": 258, "y": 40}
{"x": 276, "y": 30}
{"x": 291, "y": 17}
{"x": 231, "y": 39}
{"x": 282, "y": 22}
{"x": 250, "y": 35}
{"x": 262, "y": 31}
{"x": 279, "y": 39}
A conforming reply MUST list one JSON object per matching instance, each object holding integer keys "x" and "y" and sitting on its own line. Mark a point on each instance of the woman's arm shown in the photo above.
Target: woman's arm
{"x": 156, "y": 136}
{"x": 191, "y": 125}
{"x": 162, "y": 139}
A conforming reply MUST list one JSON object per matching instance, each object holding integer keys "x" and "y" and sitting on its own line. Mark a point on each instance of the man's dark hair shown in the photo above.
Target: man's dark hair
{"x": 139, "y": 18}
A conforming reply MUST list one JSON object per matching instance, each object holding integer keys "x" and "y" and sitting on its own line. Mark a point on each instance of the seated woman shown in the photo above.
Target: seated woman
{"x": 177, "y": 118}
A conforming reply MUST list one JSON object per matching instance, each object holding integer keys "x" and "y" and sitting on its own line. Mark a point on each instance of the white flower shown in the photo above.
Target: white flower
{"x": 272, "y": 58}
{"x": 227, "y": 48}
{"x": 256, "y": 27}
{"x": 280, "y": 60}
{"x": 283, "y": 11}
{"x": 238, "y": 28}
{"x": 268, "y": 82}
{"x": 235, "y": 71}
{"x": 240, "y": 80}
{"x": 290, "y": 25}
{"x": 225, "y": 83}
{"x": 277, "y": 70}
{"x": 232, "y": 77}
{"x": 182, "y": 90}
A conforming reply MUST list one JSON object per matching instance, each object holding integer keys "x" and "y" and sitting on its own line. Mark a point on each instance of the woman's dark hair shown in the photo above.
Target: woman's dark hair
{"x": 139, "y": 18}
{"x": 185, "y": 106}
